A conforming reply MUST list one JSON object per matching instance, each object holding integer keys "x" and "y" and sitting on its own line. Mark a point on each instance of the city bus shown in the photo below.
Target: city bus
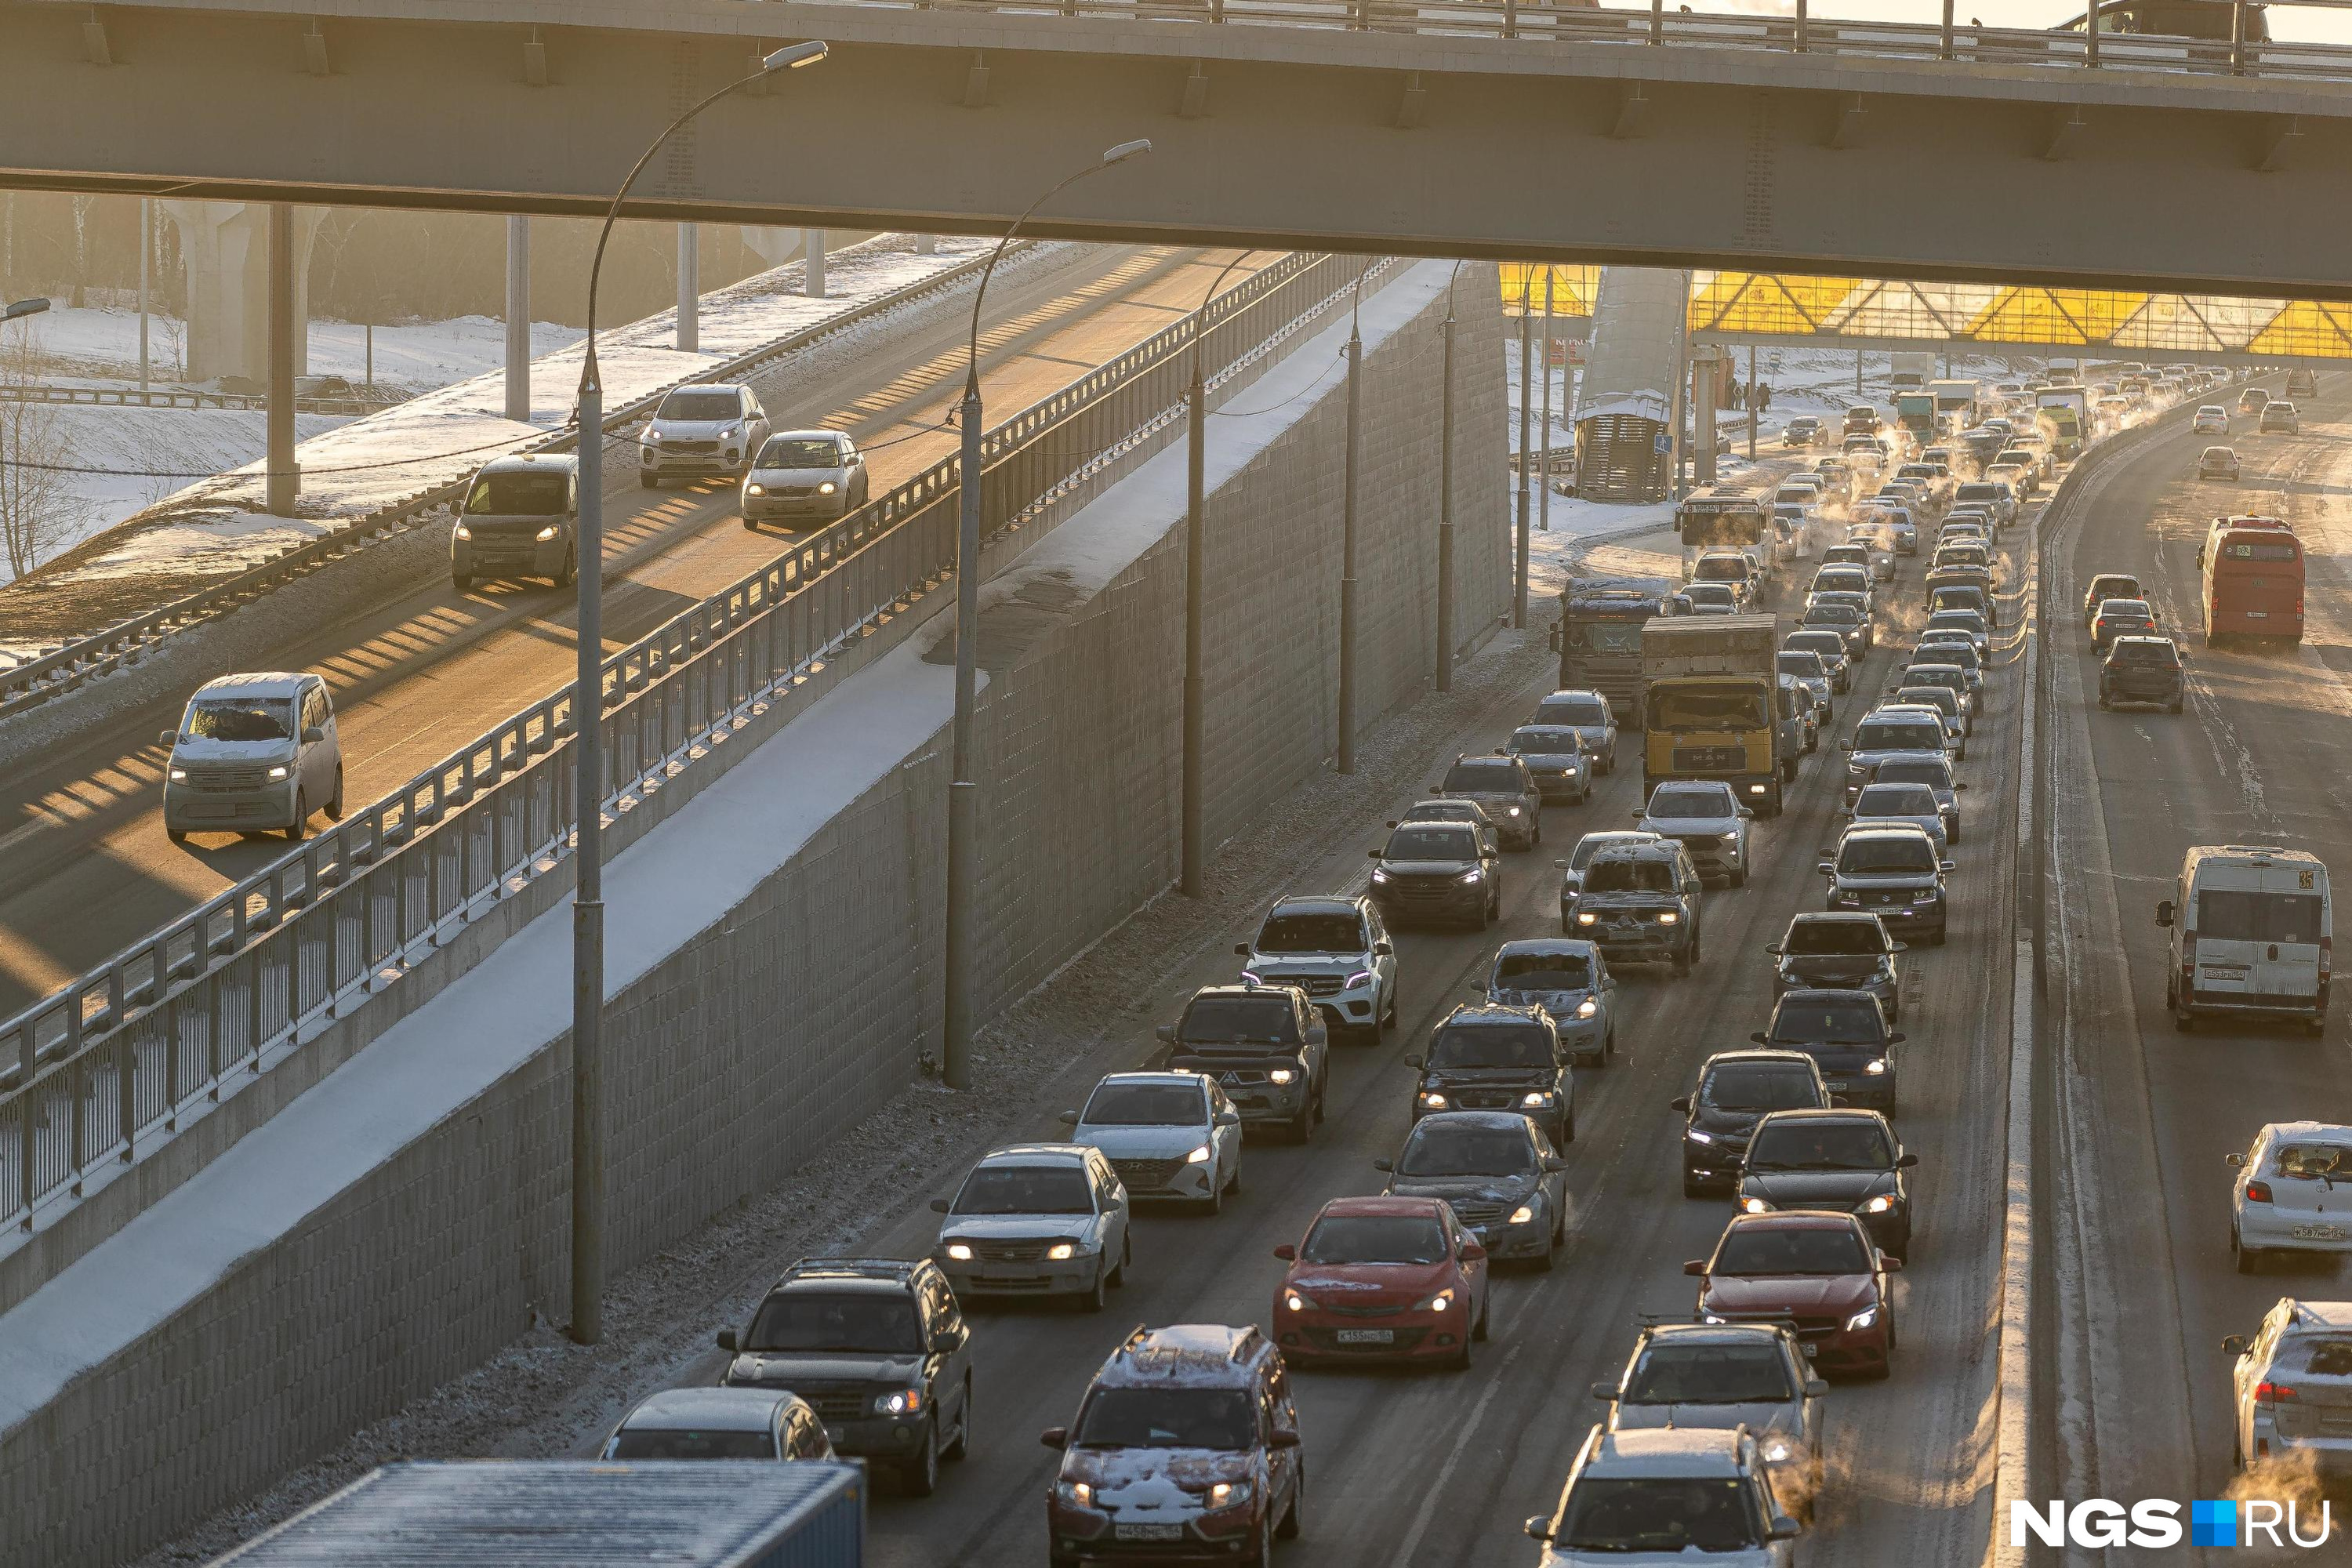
{"x": 2252, "y": 579}
{"x": 1726, "y": 519}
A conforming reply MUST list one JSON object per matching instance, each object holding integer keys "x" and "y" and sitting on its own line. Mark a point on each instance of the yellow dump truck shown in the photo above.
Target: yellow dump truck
{"x": 1710, "y": 705}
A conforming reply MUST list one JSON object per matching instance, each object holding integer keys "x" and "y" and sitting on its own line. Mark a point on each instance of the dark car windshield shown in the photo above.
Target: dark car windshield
{"x": 1837, "y": 1023}
{"x": 1925, "y": 771}
{"x": 668, "y": 1443}
{"x": 1899, "y": 799}
{"x": 1573, "y": 710}
{"x": 1761, "y": 1250}
{"x": 1827, "y": 645}
{"x": 1895, "y": 854}
{"x": 1548, "y": 740}
{"x": 240, "y": 718}
{"x": 1663, "y": 1514}
{"x": 786, "y": 452}
{"x": 1832, "y": 613}
{"x": 1483, "y": 778}
{"x": 1318, "y": 931}
{"x": 1432, "y": 844}
{"x": 1440, "y": 1149}
{"x": 519, "y": 494}
{"x": 847, "y": 1321}
{"x": 1254, "y": 1020}
{"x": 1167, "y": 1418}
{"x": 1841, "y": 937}
{"x": 1630, "y": 876}
{"x": 1689, "y": 800}
{"x": 699, "y": 407}
{"x": 1898, "y": 735}
{"x": 1672, "y": 1373}
{"x": 1706, "y": 707}
{"x": 1374, "y": 1238}
{"x": 1145, "y": 1105}
{"x": 1543, "y": 972}
{"x": 2152, "y": 653}
{"x": 1820, "y": 1146}
{"x": 1798, "y": 662}
{"x": 1760, "y": 1086}
{"x": 1491, "y": 1046}
{"x": 1025, "y": 1189}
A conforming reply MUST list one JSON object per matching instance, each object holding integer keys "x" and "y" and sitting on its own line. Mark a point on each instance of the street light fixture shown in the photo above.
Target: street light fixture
{"x": 588, "y": 789}
{"x": 25, "y": 308}
{"x": 963, "y": 793}
{"x": 1196, "y": 458}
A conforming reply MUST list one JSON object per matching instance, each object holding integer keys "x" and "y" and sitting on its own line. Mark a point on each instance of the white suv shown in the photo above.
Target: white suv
{"x": 701, "y": 432}
{"x": 1334, "y": 948}
{"x": 2292, "y": 1388}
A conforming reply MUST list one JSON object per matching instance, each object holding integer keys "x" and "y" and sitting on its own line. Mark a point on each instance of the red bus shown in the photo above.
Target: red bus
{"x": 2252, "y": 579}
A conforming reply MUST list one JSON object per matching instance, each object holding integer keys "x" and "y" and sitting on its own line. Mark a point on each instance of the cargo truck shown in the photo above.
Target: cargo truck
{"x": 1915, "y": 412}
{"x": 1911, "y": 370}
{"x": 557, "y": 1514}
{"x": 1956, "y": 402}
{"x": 1601, "y": 636}
{"x": 1711, "y": 705}
{"x": 2065, "y": 414}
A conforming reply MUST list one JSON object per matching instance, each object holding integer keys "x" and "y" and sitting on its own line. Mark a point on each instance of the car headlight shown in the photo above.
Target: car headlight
{"x": 1877, "y": 1067}
{"x": 1474, "y": 874}
{"x": 1077, "y": 1494}
{"x": 179, "y": 775}
{"x": 1229, "y": 1494}
{"x": 1882, "y": 1204}
{"x": 1754, "y": 1205}
{"x": 1777, "y": 1452}
{"x": 1523, "y": 1215}
{"x": 1379, "y": 876}
{"x": 1281, "y": 1075}
{"x": 653, "y": 434}
{"x": 1060, "y": 1252}
{"x": 1361, "y": 977}
{"x": 1437, "y": 1303}
{"x": 1862, "y": 1320}
{"x": 1432, "y": 1101}
{"x": 1711, "y": 1318}
{"x": 1513, "y": 811}
{"x": 959, "y": 1251}
{"x": 1293, "y": 1301}
{"x": 277, "y": 772}
{"x": 899, "y": 1401}
{"x": 755, "y": 490}
{"x": 550, "y": 532}
{"x": 1200, "y": 1156}
{"x": 1588, "y": 1008}
{"x": 1536, "y": 1096}
{"x": 1586, "y": 918}
{"x": 462, "y": 532}
{"x": 826, "y": 488}
{"x": 1669, "y": 917}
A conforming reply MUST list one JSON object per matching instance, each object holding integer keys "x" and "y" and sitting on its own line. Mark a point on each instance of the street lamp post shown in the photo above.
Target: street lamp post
{"x": 1526, "y": 303}
{"x": 1446, "y": 501}
{"x": 963, "y": 791}
{"x": 1196, "y": 457}
{"x": 588, "y": 789}
{"x": 1347, "y": 758}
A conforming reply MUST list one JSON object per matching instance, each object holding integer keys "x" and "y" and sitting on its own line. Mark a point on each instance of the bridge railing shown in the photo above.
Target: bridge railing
{"x": 1795, "y": 30}
{"x": 109, "y": 1065}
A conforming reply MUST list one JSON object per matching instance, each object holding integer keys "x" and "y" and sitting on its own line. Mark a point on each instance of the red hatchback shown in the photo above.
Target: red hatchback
{"x": 1382, "y": 1278}
{"x": 1814, "y": 1269}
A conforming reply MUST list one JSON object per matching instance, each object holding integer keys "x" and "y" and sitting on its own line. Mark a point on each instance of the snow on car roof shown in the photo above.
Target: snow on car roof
{"x": 710, "y": 1409}
{"x": 1666, "y": 1451}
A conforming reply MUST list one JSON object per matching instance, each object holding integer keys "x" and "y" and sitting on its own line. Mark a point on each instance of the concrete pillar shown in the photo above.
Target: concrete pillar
{"x": 518, "y": 317}
{"x": 225, "y": 249}
{"x": 813, "y": 275}
{"x": 689, "y": 292}
{"x": 284, "y": 482}
{"x": 1703, "y": 384}
{"x": 926, "y": 245}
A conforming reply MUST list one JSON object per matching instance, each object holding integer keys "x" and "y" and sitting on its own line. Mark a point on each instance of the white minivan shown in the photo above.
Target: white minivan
{"x": 2251, "y": 929}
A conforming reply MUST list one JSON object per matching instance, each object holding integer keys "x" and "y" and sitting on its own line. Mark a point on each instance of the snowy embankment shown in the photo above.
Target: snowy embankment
{"x": 353, "y": 467}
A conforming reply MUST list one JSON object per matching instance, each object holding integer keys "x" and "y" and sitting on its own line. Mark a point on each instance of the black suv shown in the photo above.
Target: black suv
{"x": 2142, "y": 669}
{"x": 1439, "y": 871}
{"x": 1737, "y": 1090}
{"x": 1490, "y": 1058}
{"x": 878, "y": 1348}
{"x": 1265, "y": 1045}
{"x": 1846, "y": 1033}
{"x": 1839, "y": 949}
{"x": 1640, "y": 904}
{"x": 1502, "y": 785}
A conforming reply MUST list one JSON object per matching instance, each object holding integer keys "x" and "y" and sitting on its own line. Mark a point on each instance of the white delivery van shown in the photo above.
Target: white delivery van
{"x": 2251, "y": 929}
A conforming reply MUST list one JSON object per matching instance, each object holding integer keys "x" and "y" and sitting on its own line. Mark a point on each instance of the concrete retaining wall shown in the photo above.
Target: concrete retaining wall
{"x": 801, "y": 1001}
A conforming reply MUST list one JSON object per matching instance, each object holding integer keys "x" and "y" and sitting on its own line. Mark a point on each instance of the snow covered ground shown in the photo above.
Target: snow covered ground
{"x": 97, "y": 343}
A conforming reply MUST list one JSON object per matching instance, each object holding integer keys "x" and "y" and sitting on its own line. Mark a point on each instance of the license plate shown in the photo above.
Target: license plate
{"x": 2258, "y": 615}
{"x": 2216, "y": 972}
{"x": 1810, "y": 1350}
{"x": 834, "y": 1435}
{"x": 1835, "y": 1084}
{"x": 2317, "y": 1233}
{"x": 1126, "y": 1532}
{"x": 1366, "y": 1336}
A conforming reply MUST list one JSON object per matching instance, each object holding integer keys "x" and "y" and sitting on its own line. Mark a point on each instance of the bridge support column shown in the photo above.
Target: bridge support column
{"x": 285, "y": 480}
{"x": 926, "y": 245}
{"x": 689, "y": 291}
{"x": 518, "y": 317}
{"x": 226, "y": 247}
{"x": 813, "y": 274}
{"x": 1703, "y": 394}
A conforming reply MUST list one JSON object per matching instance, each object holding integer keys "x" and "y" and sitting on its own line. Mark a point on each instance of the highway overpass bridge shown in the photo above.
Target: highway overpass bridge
{"x": 1462, "y": 127}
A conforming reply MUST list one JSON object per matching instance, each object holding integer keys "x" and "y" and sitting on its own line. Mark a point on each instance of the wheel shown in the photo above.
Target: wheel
{"x": 1692, "y": 1186}
{"x": 920, "y": 1475}
{"x": 2183, "y": 1021}
{"x": 300, "y": 828}
{"x": 1485, "y": 1312}
{"x": 1937, "y": 940}
{"x": 335, "y": 807}
{"x": 1092, "y": 1300}
{"x": 1608, "y": 1042}
{"x": 1739, "y": 878}
{"x": 1789, "y": 771}
{"x": 962, "y": 1447}
{"x": 1388, "y": 1018}
{"x": 1302, "y": 1126}
{"x": 462, "y": 583}
{"x": 1261, "y": 1550}
{"x": 1289, "y": 1527}
{"x": 1682, "y": 960}
{"x": 1544, "y": 1258}
{"x": 1567, "y": 1128}
{"x": 2315, "y": 1028}
{"x": 2246, "y": 1258}
{"x": 749, "y": 526}
{"x": 1322, "y": 1108}
{"x": 1465, "y": 1354}
{"x": 176, "y": 835}
{"x": 1233, "y": 1182}
{"x": 1214, "y": 1203}
{"x": 2173, "y": 707}
{"x": 649, "y": 479}
{"x": 1125, "y": 1256}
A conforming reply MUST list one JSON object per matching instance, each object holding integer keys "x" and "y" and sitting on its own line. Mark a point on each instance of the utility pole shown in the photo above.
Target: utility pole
{"x": 1857, "y": 373}
{"x": 1526, "y": 441}
{"x": 1752, "y": 401}
{"x": 1191, "y": 879}
{"x": 1346, "y": 761}
{"x": 1543, "y": 473}
{"x": 1446, "y": 502}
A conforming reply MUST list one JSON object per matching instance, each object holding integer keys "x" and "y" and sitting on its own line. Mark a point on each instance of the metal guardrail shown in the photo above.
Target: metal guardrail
{"x": 188, "y": 398}
{"x": 31, "y": 682}
{"x": 107, "y": 1066}
{"x": 1659, "y": 25}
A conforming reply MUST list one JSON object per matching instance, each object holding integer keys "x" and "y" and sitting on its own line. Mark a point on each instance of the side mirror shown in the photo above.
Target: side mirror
{"x": 1897, "y": 1037}
{"x": 2236, "y": 1344}
{"x": 946, "y": 1342}
{"x": 1539, "y": 1527}
{"x": 313, "y": 735}
{"x": 1773, "y": 948}
{"x": 1816, "y": 1389}
{"x": 1288, "y": 1252}
{"x": 1374, "y": 854}
{"x": 1229, "y": 1119}
{"x": 1825, "y": 868}
{"x": 1745, "y": 812}
{"x": 2164, "y": 913}
{"x": 1946, "y": 866}
{"x": 2234, "y": 1161}
{"x": 1413, "y": 1062}
{"x": 726, "y": 1340}
{"x": 1384, "y": 1164}
{"x": 1384, "y": 949}
{"x": 938, "y": 1205}
{"x": 1165, "y": 1031}
{"x": 1958, "y": 787}
{"x": 1318, "y": 1035}
{"x": 1241, "y": 950}
{"x": 1068, "y": 1119}
{"x": 1055, "y": 1436}
{"x": 1784, "y": 1529}
{"x": 1474, "y": 1252}
{"x": 1282, "y": 1437}
{"x": 1906, "y": 1162}
{"x": 1891, "y": 1265}
{"x": 1681, "y": 1103}
{"x": 1437, "y": 789}
{"x": 1697, "y": 1266}
{"x": 1560, "y": 865}
{"x": 1604, "y": 1391}
{"x": 1760, "y": 1037}
{"x": 168, "y": 738}
{"x": 1898, "y": 947}
{"x": 1554, "y": 1163}
{"x": 1637, "y": 813}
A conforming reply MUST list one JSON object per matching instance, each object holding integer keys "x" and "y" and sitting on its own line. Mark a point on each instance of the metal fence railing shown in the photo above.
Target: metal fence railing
{"x": 106, "y": 1065}
{"x": 359, "y": 402}
{"x": 68, "y": 668}
{"x": 1792, "y": 30}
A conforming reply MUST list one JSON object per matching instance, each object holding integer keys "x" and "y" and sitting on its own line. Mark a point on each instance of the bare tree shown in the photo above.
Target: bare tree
{"x": 38, "y": 506}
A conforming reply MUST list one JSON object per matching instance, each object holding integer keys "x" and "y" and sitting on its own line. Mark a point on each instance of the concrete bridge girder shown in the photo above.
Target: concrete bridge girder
{"x": 1516, "y": 152}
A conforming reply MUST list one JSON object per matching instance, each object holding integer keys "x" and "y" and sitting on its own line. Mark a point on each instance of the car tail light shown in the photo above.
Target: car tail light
{"x": 2258, "y": 1192}
{"x": 2275, "y": 1393}
{"x": 2327, "y": 956}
